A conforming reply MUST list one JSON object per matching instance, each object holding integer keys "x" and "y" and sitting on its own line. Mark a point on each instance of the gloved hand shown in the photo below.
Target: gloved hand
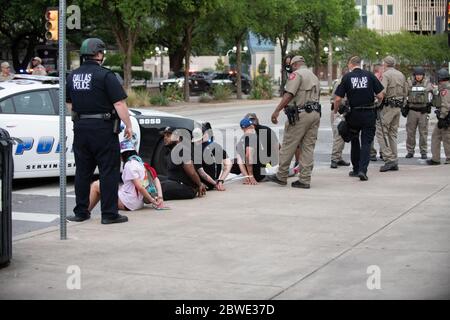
{"x": 442, "y": 124}
{"x": 405, "y": 111}
{"x": 429, "y": 106}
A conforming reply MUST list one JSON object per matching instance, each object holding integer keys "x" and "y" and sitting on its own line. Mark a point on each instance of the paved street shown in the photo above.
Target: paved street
{"x": 297, "y": 244}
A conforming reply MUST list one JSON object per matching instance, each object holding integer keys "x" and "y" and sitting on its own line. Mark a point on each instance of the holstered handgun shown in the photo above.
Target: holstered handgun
{"x": 116, "y": 121}
{"x": 292, "y": 114}
{"x": 74, "y": 116}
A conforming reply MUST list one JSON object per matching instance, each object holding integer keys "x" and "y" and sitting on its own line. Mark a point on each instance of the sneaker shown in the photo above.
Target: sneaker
{"x": 362, "y": 176}
{"x": 389, "y": 166}
{"x": 301, "y": 185}
{"x": 334, "y": 165}
{"x": 353, "y": 174}
{"x": 275, "y": 179}
{"x": 409, "y": 155}
{"x": 433, "y": 163}
{"x": 118, "y": 219}
{"x": 424, "y": 156}
{"x": 76, "y": 218}
{"x": 343, "y": 163}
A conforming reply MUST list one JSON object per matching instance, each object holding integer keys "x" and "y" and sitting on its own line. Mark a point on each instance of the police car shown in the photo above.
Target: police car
{"x": 29, "y": 111}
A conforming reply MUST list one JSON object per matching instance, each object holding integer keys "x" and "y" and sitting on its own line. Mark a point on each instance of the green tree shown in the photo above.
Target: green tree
{"x": 128, "y": 20}
{"x": 262, "y": 66}
{"x": 22, "y": 27}
{"x": 364, "y": 43}
{"x": 220, "y": 65}
{"x": 322, "y": 20}
{"x": 279, "y": 22}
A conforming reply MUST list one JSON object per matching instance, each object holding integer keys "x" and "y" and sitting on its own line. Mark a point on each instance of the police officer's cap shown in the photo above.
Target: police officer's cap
{"x": 91, "y": 46}
{"x": 297, "y": 59}
{"x": 443, "y": 75}
{"x": 390, "y": 61}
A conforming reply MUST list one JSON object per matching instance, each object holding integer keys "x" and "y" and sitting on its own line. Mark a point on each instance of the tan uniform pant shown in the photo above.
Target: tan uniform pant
{"x": 390, "y": 117}
{"x": 438, "y": 136}
{"x": 304, "y": 134}
{"x": 338, "y": 142}
{"x": 417, "y": 119}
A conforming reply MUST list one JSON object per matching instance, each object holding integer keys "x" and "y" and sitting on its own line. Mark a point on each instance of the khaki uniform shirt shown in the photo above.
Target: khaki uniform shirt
{"x": 444, "y": 92}
{"x": 394, "y": 83}
{"x": 6, "y": 78}
{"x": 333, "y": 92}
{"x": 304, "y": 86}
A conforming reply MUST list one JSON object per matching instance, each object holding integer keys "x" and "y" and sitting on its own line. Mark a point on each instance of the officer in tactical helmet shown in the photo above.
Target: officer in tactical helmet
{"x": 97, "y": 102}
{"x": 416, "y": 110}
{"x": 441, "y": 133}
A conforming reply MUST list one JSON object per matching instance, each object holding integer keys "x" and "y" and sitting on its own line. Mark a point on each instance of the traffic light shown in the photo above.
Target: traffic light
{"x": 51, "y": 24}
{"x": 448, "y": 15}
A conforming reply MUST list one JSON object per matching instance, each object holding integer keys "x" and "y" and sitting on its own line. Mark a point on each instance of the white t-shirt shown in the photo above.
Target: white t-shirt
{"x": 128, "y": 193}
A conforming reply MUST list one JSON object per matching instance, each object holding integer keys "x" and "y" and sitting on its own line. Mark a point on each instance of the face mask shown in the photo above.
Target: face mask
{"x": 288, "y": 68}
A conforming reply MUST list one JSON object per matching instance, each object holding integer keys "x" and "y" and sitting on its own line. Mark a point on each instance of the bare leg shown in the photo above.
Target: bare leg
{"x": 94, "y": 196}
{"x": 121, "y": 206}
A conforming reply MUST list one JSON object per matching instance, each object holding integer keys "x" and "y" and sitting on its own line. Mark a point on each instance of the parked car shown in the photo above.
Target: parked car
{"x": 29, "y": 111}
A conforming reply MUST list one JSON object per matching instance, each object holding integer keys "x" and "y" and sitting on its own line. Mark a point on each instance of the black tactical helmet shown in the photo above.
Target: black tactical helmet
{"x": 92, "y": 46}
{"x": 419, "y": 71}
{"x": 443, "y": 75}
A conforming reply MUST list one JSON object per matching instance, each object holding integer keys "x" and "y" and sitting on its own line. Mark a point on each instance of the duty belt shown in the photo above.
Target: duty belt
{"x": 101, "y": 116}
{"x": 310, "y": 107}
{"x": 395, "y": 102}
{"x": 365, "y": 107}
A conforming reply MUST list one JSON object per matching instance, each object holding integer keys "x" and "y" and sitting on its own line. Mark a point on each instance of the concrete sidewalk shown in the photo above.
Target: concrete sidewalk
{"x": 260, "y": 242}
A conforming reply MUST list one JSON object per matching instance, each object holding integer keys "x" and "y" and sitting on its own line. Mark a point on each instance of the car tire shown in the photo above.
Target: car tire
{"x": 159, "y": 161}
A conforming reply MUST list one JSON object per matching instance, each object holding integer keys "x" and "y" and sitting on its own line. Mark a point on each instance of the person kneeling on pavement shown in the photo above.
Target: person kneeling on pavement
{"x": 246, "y": 162}
{"x": 182, "y": 181}
{"x": 140, "y": 183}
{"x": 210, "y": 160}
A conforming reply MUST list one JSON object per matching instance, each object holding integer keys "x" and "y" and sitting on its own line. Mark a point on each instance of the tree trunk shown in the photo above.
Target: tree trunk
{"x": 316, "y": 40}
{"x": 127, "y": 76}
{"x": 176, "y": 59}
{"x": 187, "y": 60}
{"x": 284, "y": 40}
{"x": 238, "y": 69}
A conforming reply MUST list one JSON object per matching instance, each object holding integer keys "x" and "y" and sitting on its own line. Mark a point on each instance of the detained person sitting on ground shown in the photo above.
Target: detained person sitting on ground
{"x": 210, "y": 160}
{"x": 268, "y": 144}
{"x": 246, "y": 162}
{"x": 182, "y": 180}
{"x": 140, "y": 182}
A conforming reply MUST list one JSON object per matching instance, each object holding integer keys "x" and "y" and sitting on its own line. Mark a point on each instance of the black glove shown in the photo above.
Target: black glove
{"x": 405, "y": 110}
{"x": 429, "y": 106}
{"x": 442, "y": 123}
{"x": 332, "y": 106}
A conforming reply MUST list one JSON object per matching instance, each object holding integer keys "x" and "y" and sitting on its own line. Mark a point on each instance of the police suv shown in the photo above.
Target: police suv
{"x": 29, "y": 111}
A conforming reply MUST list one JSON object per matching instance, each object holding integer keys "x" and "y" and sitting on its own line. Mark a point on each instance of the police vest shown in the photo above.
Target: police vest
{"x": 418, "y": 94}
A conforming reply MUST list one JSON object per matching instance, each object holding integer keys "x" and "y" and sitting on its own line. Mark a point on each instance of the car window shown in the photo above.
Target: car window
{"x": 36, "y": 102}
{"x": 6, "y": 106}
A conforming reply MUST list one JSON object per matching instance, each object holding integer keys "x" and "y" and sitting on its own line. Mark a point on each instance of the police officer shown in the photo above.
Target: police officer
{"x": 360, "y": 87}
{"x": 441, "y": 132}
{"x": 396, "y": 91}
{"x": 96, "y": 99}
{"x": 302, "y": 95}
{"x": 338, "y": 142}
{"x": 416, "y": 111}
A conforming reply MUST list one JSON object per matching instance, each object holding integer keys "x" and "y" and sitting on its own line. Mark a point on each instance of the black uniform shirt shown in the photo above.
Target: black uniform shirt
{"x": 213, "y": 156}
{"x": 93, "y": 89}
{"x": 360, "y": 87}
{"x": 175, "y": 170}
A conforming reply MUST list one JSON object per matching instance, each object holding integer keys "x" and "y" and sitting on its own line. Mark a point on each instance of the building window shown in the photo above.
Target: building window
{"x": 380, "y": 10}
{"x": 415, "y": 18}
{"x": 364, "y": 10}
{"x": 390, "y": 9}
{"x": 432, "y": 3}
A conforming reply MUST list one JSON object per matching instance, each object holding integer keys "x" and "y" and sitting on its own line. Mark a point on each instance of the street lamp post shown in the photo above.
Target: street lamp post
{"x": 329, "y": 51}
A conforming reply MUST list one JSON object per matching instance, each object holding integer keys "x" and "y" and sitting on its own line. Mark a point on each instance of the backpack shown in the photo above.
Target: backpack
{"x": 149, "y": 180}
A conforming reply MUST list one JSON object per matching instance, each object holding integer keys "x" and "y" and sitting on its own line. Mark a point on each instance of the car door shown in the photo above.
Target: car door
{"x": 32, "y": 117}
